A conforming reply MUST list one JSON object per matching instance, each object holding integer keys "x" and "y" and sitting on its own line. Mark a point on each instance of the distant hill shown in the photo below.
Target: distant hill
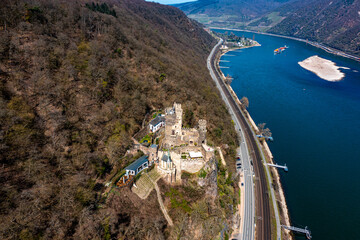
{"x": 335, "y": 23}
{"x": 228, "y": 13}
{"x": 77, "y": 79}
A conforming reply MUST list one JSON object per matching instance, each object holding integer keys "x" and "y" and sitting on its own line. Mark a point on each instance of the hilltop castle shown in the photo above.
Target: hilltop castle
{"x": 176, "y": 135}
{"x": 182, "y": 149}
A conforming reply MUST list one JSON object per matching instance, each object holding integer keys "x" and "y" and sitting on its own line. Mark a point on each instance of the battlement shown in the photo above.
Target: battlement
{"x": 177, "y": 106}
{"x": 202, "y": 123}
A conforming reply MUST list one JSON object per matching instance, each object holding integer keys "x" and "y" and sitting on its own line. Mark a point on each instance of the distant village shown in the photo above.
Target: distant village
{"x": 243, "y": 42}
{"x": 233, "y": 41}
{"x": 178, "y": 149}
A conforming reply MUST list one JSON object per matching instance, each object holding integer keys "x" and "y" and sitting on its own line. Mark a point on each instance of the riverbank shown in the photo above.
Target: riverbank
{"x": 224, "y": 51}
{"x": 280, "y": 197}
{"x": 315, "y": 44}
{"x": 323, "y": 68}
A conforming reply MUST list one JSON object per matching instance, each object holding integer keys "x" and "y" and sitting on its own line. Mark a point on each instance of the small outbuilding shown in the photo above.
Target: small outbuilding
{"x": 195, "y": 155}
{"x": 157, "y": 123}
{"x": 137, "y": 166}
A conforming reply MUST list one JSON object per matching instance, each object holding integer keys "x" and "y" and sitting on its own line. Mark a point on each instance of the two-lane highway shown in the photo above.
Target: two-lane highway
{"x": 249, "y": 206}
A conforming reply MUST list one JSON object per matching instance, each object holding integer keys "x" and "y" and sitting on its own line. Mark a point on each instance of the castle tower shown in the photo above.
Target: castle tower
{"x": 202, "y": 131}
{"x": 173, "y": 126}
{"x": 178, "y": 120}
{"x": 153, "y": 157}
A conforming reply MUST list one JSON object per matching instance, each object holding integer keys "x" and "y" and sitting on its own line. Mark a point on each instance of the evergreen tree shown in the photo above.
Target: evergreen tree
{"x": 102, "y": 8}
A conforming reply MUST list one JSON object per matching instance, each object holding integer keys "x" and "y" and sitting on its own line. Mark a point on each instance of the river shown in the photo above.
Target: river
{"x": 315, "y": 125}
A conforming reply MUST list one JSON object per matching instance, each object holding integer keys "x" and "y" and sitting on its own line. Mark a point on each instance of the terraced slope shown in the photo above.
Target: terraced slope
{"x": 144, "y": 185}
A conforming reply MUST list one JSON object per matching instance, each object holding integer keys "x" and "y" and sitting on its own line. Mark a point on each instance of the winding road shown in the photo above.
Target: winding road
{"x": 251, "y": 155}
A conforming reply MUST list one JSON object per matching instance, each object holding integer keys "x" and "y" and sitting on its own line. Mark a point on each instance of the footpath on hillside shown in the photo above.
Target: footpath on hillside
{"x": 145, "y": 184}
{"x": 161, "y": 203}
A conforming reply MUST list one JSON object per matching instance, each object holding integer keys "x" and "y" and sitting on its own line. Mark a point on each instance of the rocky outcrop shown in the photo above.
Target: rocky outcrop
{"x": 210, "y": 181}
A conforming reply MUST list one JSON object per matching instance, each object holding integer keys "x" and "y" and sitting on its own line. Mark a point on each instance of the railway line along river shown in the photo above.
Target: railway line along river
{"x": 315, "y": 124}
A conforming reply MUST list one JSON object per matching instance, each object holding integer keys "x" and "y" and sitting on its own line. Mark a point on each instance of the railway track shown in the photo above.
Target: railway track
{"x": 262, "y": 201}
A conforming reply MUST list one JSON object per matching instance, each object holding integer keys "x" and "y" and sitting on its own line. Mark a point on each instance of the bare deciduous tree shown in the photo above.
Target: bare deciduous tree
{"x": 228, "y": 79}
{"x": 245, "y": 102}
{"x": 264, "y": 131}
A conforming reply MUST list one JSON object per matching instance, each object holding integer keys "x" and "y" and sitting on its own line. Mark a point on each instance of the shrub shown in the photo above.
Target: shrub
{"x": 202, "y": 173}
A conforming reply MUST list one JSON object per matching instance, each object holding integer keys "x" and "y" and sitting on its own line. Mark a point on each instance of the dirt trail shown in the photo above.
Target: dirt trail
{"x": 161, "y": 203}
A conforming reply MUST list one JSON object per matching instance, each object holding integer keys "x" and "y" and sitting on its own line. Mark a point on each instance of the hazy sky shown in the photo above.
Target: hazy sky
{"x": 170, "y": 1}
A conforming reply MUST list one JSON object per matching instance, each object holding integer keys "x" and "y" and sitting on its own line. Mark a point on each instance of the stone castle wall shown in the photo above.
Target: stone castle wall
{"x": 191, "y": 165}
{"x": 194, "y": 139}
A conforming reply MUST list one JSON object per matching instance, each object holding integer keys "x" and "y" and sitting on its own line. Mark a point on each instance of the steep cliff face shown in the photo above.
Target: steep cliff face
{"x": 76, "y": 80}
{"x": 334, "y": 23}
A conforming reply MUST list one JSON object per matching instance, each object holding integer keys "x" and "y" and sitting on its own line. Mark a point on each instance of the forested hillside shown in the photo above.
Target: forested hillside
{"x": 229, "y": 13}
{"x": 77, "y": 79}
{"x": 335, "y": 23}
{"x": 242, "y": 9}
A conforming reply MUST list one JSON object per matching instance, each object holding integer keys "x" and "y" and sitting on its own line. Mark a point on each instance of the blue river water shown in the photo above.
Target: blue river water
{"x": 316, "y": 128}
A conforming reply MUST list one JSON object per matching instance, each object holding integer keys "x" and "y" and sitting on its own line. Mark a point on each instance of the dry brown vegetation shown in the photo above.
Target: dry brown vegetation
{"x": 203, "y": 205}
{"x": 75, "y": 86}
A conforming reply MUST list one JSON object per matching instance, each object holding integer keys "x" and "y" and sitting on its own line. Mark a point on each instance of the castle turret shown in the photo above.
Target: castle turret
{"x": 178, "y": 122}
{"x": 173, "y": 126}
{"x": 202, "y": 131}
